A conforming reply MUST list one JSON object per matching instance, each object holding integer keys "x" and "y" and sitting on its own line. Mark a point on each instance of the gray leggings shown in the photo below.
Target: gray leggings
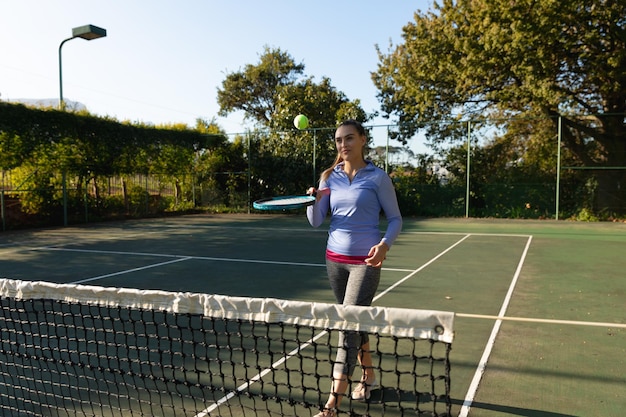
{"x": 352, "y": 285}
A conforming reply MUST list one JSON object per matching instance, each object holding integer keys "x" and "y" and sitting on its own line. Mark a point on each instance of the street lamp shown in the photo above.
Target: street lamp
{"x": 87, "y": 32}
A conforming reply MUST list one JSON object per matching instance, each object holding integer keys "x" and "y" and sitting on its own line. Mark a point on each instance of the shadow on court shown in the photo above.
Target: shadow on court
{"x": 511, "y": 411}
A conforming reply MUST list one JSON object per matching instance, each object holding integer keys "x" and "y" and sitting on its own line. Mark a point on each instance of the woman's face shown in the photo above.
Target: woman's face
{"x": 349, "y": 143}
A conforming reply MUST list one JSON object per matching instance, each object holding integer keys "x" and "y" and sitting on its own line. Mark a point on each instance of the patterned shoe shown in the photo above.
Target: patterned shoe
{"x": 363, "y": 390}
{"x": 327, "y": 412}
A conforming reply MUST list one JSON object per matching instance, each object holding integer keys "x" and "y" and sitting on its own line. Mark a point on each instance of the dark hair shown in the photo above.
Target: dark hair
{"x": 360, "y": 130}
{"x": 358, "y": 126}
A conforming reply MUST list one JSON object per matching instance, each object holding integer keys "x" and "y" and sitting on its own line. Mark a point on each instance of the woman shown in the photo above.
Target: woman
{"x": 355, "y": 251}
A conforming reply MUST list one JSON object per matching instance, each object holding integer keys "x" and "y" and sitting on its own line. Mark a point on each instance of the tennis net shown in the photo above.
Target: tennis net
{"x": 78, "y": 350}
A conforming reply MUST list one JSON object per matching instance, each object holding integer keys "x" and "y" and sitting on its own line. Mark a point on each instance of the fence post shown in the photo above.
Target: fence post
{"x": 64, "y": 180}
{"x": 314, "y": 157}
{"x": 558, "y": 167}
{"x": 387, "y": 152}
{"x": 4, "y": 226}
{"x": 467, "y": 187}
{"x": 249, "y": 172}
{"x": 86, "y": 198}
{"x": 193, "y": 189}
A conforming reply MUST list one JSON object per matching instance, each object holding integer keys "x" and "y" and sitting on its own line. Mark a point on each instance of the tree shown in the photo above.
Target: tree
{"x": 275, "y": 90}
{"x": 272, "y": 93}
{"x": 221, "y": 169}
{"x": 512, "y": 59}
{"x": 47, "y": 150}
{"x": 253, "y": 90}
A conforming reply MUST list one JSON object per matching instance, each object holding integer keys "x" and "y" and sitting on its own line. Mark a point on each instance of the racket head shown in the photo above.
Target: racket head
{"x": 287, "y": 202}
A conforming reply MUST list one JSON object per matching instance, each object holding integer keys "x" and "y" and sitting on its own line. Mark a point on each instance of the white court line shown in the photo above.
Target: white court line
{"x": 257, "y": 377}
{"x": 33, "y": 244}
{"x": 109, "y": 252}
{"x": 82, "y": 281}
{"x": 464, "y": 233}
{"x": 544, "y": 321}
{"x": 420, "y": 268}
{"x": 314, "y": 230}
{"x": 202, "y": 258}
{"x": 471, "y": 392}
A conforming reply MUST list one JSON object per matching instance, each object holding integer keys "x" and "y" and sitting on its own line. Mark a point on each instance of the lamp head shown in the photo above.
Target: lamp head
{"x": 89, "y": 32}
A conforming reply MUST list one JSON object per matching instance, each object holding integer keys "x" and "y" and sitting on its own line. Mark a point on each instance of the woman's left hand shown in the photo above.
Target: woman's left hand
{"x": 377, "y": 254}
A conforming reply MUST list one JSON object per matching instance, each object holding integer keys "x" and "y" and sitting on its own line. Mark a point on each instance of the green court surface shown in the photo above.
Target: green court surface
{"x": 559, "y": 287}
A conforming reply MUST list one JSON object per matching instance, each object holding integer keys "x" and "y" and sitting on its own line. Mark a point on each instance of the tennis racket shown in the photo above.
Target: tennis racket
{"x": 288, "y": 202}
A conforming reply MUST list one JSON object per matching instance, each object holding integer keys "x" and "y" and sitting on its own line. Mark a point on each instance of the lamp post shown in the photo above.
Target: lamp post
{"x": 87, "y": 32}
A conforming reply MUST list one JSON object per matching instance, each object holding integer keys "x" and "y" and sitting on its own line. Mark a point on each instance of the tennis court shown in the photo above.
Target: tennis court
{"x": 560, "y": 352}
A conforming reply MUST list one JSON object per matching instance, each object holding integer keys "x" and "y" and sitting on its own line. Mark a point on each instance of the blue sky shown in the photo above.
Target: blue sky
{"x": 162, "y": 61}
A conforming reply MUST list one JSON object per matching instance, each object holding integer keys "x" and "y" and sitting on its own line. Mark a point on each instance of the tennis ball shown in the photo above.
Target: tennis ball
{"x": 301, "y": 122}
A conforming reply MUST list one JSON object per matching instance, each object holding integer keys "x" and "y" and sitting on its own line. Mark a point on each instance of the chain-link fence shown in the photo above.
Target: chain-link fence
{"x": 476, "y": 173}
{"x": 71, "y": 200}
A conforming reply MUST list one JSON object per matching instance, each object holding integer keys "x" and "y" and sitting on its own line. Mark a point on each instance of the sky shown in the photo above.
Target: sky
{"x": 163, "y": 61}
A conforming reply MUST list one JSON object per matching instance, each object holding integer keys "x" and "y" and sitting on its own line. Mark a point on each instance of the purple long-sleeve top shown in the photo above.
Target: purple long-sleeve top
{"x": 355, "y": 208}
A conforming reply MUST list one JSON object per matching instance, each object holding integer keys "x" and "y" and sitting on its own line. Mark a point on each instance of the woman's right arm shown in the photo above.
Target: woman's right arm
{"x": 318, "y": 211}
